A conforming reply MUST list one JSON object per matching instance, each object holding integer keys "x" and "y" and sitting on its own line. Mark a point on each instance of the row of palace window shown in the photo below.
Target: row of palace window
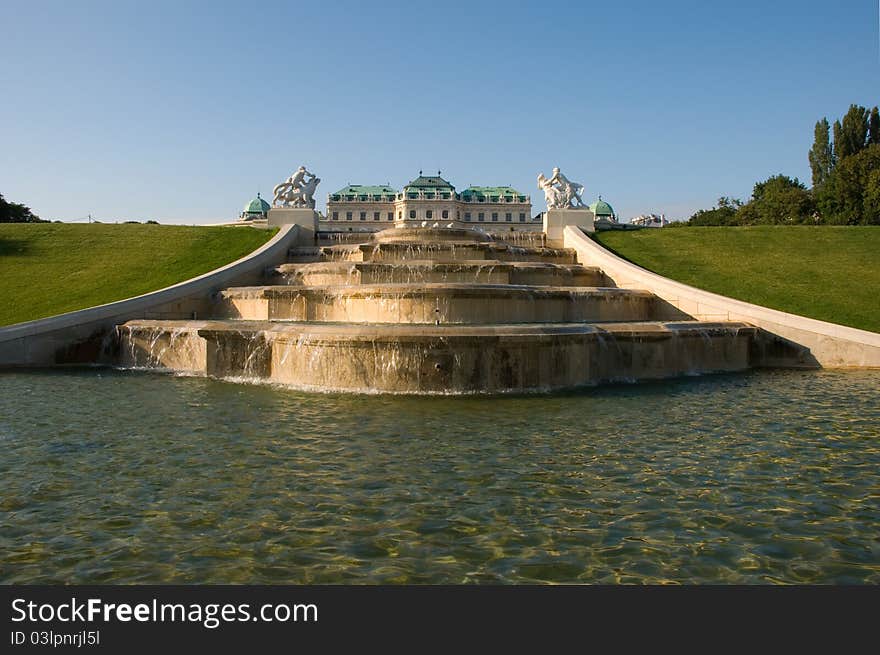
{"x": 465, "y": 197}
{"x": 508, "y": 217}
{"x": 377, "y": 216}
{"x": 429, "y": 214}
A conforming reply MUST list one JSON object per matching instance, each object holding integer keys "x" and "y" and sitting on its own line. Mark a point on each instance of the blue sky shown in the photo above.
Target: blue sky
{"x": 182, "y": 111}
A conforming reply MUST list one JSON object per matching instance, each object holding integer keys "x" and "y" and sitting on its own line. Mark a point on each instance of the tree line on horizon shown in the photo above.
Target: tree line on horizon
{"x": 12, "y": 212}
{"x": 845, "y": 165}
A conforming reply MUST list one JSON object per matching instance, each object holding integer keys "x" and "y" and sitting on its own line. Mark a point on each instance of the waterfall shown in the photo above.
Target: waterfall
{"x": 434, "y": 310}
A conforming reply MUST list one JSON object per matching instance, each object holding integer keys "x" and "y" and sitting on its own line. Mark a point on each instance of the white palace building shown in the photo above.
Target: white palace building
{"x": 428, "y": 199}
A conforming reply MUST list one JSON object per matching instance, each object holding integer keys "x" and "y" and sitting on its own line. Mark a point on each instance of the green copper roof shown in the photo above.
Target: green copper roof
{"x": 257, "y": 206}
{"x": 492, "y": 192}
{"x": 602, "y": 208}
{"x": 363, "y": 192}
{"x": 361, "y": 189}
{"x": 431, "y": 186}
{"x": 429, "y": 183}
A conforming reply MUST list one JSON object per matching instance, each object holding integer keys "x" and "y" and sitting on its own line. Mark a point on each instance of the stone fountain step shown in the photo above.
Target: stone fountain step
{"x": 448, "y": 303}
{"x": 431, "y": 234}
{"x": 331, "y": 237}
{"x": 435, "y": 251}
{"x": 437, "y": 359}
{"x": 482, "y": 271}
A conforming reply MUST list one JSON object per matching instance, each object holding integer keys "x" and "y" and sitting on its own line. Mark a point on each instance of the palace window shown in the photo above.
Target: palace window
{"x": 375, "y": 216}
{"x": 467, "y": 216}
{"x": 400, "y": 215}
{"x": 412, "y": 213}
{"x": 508, "y": 217}
{"x": 390, "y": 216}
{"x": 445, "y": 213}
{"x": 363, "y": 216}
{"x": 522, "y": 218}
{"x": 429, "y": 214}
{"x": 348, "y": 216}
{"x": 335, "y": 216}
{"x": 494, "y": 217}
{"x": 481, "y": 217}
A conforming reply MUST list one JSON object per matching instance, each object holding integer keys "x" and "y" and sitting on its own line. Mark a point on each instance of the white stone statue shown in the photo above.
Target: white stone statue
{"x": 296, "y": 191}
{"x": 560, "y": 192}
{"x": 551, "y": 194}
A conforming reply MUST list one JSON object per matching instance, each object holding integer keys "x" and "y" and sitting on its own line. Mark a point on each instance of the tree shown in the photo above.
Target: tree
{"x": 820, "y": 155}
{"x": 778, "y": 200}
{"x": 874, "y": 127}
{"x": 851, "y": 194}
{"x": 838, "y": 139}
{"x": 871, "y": 200}
{"x": 11, "y": 212}
{"x": 773, "y": 184}
{"x": 724, "y": 213}
{"x": 853, "y": 132}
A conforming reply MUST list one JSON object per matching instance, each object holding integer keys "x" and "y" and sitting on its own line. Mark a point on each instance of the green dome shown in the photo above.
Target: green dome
{"x": 257, "y": 206}
{"x": 602, "y": 208}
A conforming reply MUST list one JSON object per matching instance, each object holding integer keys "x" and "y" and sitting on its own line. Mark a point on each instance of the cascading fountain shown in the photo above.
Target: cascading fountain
{"x": 437, "y": 310}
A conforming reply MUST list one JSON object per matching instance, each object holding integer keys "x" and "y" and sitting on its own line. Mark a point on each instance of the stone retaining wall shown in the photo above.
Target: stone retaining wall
{"x": 830, "y": 345}
{"x": 80, "y": 336}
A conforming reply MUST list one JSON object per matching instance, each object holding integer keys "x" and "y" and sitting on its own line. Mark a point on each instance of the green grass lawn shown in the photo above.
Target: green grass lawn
{"x": 52, "y": 268}
{"x": 829, "y": 273}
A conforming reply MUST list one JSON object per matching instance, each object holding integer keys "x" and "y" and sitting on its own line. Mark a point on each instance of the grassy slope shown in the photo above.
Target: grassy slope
{"x": 829, "y": 273}
{"x": 48, "y": 269}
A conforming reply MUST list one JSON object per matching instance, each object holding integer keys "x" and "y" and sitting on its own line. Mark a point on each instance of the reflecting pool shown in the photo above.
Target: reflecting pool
{"x": 126, "y": 477}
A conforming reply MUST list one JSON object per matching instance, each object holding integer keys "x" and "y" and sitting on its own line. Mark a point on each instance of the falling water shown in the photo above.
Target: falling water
{"x": 435, "y": 310}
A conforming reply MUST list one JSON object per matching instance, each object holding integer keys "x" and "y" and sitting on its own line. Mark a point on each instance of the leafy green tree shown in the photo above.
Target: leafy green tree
{"x": 874, "y": 127}
{"x": 871, "y": 200}
{"x": 724, "y": 213}
{"x": 820, "y": 155}
{"x": 851, "y": 194}
{"x": 11, "y": 212}
{"x": 853, "y": 132}
{"x": 838, "y": 139}
{"x": 778, "y": 200}
{"x": 773, "y": 184}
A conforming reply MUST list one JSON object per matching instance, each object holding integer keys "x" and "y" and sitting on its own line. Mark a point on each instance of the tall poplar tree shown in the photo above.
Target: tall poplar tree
{"x": 821, "y": 156}
{"x": 838, "y": 138}
{"x": 874, "y": 127}
{"x": 853, "y": 132}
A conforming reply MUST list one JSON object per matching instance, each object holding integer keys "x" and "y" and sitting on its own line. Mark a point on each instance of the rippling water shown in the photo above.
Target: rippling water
{"x": 123, "y": 477}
